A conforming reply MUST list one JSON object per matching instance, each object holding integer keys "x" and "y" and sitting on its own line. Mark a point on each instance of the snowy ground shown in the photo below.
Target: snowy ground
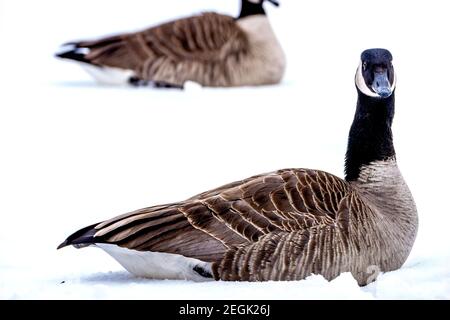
{"x": 73, "y": 153}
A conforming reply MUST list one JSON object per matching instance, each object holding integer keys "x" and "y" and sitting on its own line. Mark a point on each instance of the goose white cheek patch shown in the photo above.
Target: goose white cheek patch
{"x": 362, "y": 86}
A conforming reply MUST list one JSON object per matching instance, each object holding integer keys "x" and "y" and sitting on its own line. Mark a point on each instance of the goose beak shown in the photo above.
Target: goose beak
{"x": 274, "y": 2}
{"x": 381, "y": 84}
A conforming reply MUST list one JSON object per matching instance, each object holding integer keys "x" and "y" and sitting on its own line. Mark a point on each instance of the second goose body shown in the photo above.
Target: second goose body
{"x": 288, "y": 224}
{"x": 211, "y": 49}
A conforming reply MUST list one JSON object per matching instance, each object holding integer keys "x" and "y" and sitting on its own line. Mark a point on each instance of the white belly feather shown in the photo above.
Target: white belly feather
{"x": 108, "y": 75}
{"x": 157, "y": 265}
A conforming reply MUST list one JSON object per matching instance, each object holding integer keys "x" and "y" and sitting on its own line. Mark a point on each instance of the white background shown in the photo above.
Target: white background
{"x": 73, "y": 153}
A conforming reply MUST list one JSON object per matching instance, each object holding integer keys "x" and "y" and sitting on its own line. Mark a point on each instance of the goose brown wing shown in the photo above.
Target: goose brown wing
{"x": 207, "y": 37}
{"x": 162, "y": 228}
{"x": 235, "y": 215}
{"x": 288, "y": 200}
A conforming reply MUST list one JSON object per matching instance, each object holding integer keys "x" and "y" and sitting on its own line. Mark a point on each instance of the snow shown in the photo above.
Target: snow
{"x": 74, "y": 153}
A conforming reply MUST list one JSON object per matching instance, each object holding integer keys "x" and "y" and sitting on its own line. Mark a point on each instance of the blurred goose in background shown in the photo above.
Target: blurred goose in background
{"x": 287, "y": 224}
{"x": 210, "y": 49}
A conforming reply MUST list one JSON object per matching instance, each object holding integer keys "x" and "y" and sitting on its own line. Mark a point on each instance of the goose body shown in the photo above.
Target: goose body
{"x": 282, "y": 225}
{"x": 211, "y": 49}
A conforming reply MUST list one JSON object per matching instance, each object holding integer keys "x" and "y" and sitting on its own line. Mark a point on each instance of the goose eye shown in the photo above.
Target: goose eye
{"x": 364, "y": 65}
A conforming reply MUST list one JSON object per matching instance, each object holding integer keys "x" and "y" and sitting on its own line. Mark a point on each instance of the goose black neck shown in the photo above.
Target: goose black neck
{"x": 249, "y": 9}
{"x": 370, "y": 137}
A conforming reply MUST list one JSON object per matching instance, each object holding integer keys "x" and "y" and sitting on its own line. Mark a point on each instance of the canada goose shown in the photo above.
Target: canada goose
{"x": 287, "y": 224}
{"x": 211, "y": 49}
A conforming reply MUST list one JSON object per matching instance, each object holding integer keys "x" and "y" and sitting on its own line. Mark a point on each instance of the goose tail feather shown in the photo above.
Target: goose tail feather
{"x": 82, "y": 238}
{"x": 73, "y": 51}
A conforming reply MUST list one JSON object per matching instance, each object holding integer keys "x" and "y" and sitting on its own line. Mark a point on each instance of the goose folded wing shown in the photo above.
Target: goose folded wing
{"x": 208, "y": 37}
{"x": 238, "y": 214}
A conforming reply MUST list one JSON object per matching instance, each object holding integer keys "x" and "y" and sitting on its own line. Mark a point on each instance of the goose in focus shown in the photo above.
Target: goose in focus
{"x": 287, "y": 224}
{"x": 211, "y": 49}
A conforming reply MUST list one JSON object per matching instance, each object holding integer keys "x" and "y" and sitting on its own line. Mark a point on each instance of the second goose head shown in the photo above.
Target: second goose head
{"x": 375, "y": 76}
{"x": 252, "y": 7}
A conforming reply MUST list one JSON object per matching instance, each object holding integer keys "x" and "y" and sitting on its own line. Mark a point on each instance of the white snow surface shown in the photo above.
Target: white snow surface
{"x": 73, "y": 153}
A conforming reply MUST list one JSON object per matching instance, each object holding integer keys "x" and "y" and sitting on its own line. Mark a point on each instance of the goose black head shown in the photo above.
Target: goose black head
{"x": 260, "y": 2}
{"x": 375, "y": 76}
{"x": 253, "y": 7}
